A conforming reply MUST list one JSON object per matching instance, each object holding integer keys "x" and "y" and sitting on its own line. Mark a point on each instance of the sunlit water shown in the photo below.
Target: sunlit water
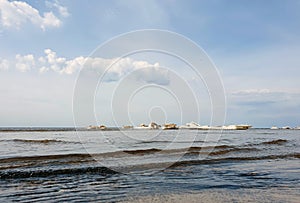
{"x": 114, "y": 165}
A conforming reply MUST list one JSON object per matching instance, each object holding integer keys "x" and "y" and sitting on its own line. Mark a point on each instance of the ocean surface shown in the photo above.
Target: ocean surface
{"x": 55, "y": 165}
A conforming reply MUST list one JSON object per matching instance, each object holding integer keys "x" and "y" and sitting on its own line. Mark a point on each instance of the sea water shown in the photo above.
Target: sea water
{"x": 67, "y": 165}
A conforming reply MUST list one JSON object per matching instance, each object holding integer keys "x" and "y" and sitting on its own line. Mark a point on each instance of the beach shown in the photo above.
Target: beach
{"x": 223, "y": 195}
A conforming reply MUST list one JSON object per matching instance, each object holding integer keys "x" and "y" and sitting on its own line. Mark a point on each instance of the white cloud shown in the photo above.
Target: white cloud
{"x": 25, "y": 63}
{"x": 251, "y": 91}
{"x": 43, "y": 69}
{"x": 119, "y": 67}
{"x": 63, "y": 11}
{"x": 16, "y": 13}
{"x": 49, "y": 20}
{"x": 263, "y": 107}
{"x": 114, "y": 69}
{"x": 262, "y": 92}
{"x": 4, "y": 64}
{"x": 59, "y": 64}
{"x": 73, "y": 65}
{"x": 55, "y": 63}
{"x": 154, "y": 74}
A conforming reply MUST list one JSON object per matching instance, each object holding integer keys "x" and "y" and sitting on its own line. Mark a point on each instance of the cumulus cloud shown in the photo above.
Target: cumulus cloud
{"x": 63, "y": 11}
{"x": 154, "y": 74}
{"x": 115, "y": 69}
{"x": 43, "y": 69}
{"x": 4, "y": 64}
{"x": 25, "y": 63}
{"x": 112, "y": 69}
{"x": 55, "y": 63}
{"x": 13, "y": 14}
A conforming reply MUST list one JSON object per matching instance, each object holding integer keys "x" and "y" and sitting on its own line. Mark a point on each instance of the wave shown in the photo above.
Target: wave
{"x": 204, "y": 149}
{"x": 266, "y": 133}
{"x": 167, "y": 151}
{"x": 142, "y": 151}
{"x": 44, "y": 141}
{"x": 36, "y": 129}
{"x": 272, "y": 142}
{"x": 101, "y": 170}
{"x": 222, "y": 152}
{"x": 169, "y": 141}
{"x": 209, "y": 150}
{"x": 45, "y": 157}
{"x": 236, "y": 159}
{"x": 275, "y": 142}
{"x": 211, "y": 147}
{"x": 73, "y": 159}
{"x": 45, "y": 173}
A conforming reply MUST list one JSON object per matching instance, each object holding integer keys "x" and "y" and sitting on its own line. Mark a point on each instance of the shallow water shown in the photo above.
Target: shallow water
{"x": 114, "y": 165}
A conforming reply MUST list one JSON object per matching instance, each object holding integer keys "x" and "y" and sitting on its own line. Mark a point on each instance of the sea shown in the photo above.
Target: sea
{"x": 78, "y": 165}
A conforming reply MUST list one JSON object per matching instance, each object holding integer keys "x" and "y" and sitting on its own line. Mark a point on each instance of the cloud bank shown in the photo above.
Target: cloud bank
{"x": 113, "y": 69}
{"x": 264, "y": 107}
{"x": 13, "y": 14}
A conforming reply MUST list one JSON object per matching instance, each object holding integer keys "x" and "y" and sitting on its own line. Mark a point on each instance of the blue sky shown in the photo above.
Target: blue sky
{"x": 254, "y": 44}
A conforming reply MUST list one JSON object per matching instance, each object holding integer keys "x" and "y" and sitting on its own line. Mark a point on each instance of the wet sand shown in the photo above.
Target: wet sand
{"x": 225, "y": 195}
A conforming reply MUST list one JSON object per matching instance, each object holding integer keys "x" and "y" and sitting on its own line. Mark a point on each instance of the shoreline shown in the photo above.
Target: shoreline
{"x": 282, "y": 194}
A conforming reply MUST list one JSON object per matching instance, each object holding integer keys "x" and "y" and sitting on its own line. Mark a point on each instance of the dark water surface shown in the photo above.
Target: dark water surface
{"x": 63, "y": 165}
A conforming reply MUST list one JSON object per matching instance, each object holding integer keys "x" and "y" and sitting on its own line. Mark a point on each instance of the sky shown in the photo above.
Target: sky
{"x": 254, "y": 45}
